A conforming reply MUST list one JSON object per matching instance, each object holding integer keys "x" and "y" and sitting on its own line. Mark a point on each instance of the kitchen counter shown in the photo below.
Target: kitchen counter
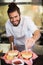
{"x": 38, "y": 61}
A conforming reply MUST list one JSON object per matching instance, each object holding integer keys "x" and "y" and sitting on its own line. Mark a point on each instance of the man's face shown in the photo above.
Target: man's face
{"x": 14, "y": 18}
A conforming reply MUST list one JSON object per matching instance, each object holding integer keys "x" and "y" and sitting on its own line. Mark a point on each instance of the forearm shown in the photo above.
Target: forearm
{"x": 11, "y": 41}
{"x": 36, "y": 35}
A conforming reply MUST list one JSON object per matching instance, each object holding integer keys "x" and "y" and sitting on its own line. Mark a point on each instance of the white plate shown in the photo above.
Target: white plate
{"x": 17, "y": 60}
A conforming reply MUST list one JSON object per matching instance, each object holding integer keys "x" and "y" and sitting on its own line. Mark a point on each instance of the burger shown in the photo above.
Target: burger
{"x": 26, "y": 54}
{"x": 11, "y": 54}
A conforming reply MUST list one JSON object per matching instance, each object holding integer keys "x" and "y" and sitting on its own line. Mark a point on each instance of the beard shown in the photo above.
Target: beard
{"x": 14, "y": 24}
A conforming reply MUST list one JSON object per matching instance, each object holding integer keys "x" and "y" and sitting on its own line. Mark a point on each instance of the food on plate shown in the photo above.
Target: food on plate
{"x": 26, "y": 54}
{"x": 11, "y": 54}
{"x": 8, "y": 57}
{"x": 17, "y": 62}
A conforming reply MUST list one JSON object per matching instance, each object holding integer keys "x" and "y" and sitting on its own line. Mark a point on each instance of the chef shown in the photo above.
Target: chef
{"x": 21, "y": 30}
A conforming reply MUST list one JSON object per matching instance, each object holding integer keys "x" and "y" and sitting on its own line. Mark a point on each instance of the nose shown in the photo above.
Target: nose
{"x": 14, "y": 19}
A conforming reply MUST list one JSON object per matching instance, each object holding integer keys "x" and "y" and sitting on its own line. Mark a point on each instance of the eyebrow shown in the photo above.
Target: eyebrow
{"x": 13, "y": 16}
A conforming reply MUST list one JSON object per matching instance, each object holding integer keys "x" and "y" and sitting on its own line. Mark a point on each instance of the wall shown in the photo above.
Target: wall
{"x": 3, "y": 16}
{"x": 34, "y": 11}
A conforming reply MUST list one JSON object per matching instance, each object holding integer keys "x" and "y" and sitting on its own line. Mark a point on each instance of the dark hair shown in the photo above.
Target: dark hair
{"x": 13, "y": 7}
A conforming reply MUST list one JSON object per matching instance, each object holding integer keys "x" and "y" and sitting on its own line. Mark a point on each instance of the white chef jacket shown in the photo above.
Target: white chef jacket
{"x": 25, "y": 29}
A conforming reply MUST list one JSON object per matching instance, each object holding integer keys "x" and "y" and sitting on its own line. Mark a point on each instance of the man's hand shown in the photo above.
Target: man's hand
{"x": 13, "y": 47}
{"x": 29, "y": 42}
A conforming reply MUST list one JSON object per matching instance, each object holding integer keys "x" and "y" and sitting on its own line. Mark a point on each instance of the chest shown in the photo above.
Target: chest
{"x": 18, "y": 31}
{"x": 21, "y": 31}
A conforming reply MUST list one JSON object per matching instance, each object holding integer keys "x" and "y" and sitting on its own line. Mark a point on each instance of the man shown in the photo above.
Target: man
{"x": 20, "y": 30}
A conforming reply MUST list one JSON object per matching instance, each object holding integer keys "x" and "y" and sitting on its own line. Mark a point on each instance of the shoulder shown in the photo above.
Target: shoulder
{"x": 7, "y": 24}
{"x": 28, "y": 20}
{"x": 25, "y": 17}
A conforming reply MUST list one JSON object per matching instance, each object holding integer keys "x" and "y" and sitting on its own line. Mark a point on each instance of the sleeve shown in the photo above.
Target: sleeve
{"x": 31, "y": 25}
{"x": 8, "y": 31}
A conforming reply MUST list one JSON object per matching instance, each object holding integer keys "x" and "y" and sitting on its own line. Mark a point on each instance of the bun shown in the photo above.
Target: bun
{"x": 26, "y": 54}
{"x": 12, "y": 5}
{"x": 9, "y": 57}
{"x": 11, "y": 54}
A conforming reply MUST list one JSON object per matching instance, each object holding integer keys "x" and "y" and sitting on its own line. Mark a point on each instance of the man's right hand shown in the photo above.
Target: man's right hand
{"x": 15, "y": 48}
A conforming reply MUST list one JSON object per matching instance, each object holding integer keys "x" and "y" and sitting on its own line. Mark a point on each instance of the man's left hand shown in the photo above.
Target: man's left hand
{"x": 29, "y": 42}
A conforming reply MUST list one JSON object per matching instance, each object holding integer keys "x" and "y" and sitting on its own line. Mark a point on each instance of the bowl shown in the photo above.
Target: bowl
{"x": 17, "y": 62}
